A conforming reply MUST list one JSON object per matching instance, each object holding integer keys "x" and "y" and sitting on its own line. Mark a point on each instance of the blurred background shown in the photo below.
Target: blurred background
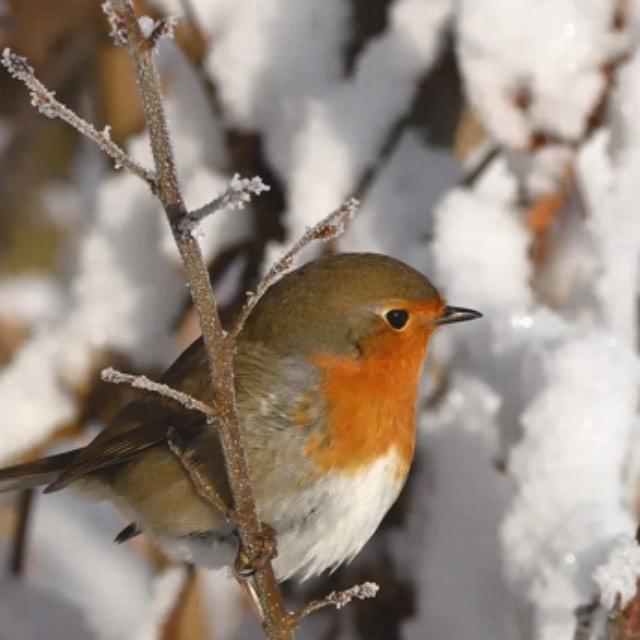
{"x": 494, "y": 145}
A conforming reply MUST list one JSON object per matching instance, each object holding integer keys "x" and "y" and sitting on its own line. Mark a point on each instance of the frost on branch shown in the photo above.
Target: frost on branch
{"x": 46, "y": 102}
{"x": 41, "y": 98}
{"x": 118, "y": 30}
{"x": 618, "y": 577}
{"x": 340, "y": 599}
{"x": 239, "y": 194}
{"x": 155, "y": 30}
{"x": 142, "y": 382}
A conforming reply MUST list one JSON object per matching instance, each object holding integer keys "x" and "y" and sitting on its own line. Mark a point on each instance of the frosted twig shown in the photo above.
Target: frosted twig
{"x": 339, "y": 599}
{"x": 238, "y": 194}
{"x": 45, "y": 101}
{"x": 155, "y": 30}
{"x": 203, "y": 486}
{"x": 327, "y": 229}
{"x": 117, "y": 25}
{"x": 142, "y": 382}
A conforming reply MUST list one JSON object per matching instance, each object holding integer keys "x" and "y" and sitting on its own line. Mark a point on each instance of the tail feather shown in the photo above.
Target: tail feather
{"x": 36, "y": 473}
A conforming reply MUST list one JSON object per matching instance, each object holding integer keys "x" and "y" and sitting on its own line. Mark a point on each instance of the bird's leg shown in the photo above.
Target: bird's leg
{"x": 248, "y": 561}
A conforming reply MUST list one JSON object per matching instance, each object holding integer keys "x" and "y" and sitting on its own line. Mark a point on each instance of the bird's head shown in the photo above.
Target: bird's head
{"x": 348, "y": 305}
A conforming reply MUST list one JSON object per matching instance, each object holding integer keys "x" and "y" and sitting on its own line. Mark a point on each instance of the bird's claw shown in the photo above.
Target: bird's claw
{"x": 264, "y": 550}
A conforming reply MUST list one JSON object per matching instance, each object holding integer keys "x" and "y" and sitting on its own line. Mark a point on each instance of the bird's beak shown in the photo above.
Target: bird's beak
{"x": 457, "y": 314}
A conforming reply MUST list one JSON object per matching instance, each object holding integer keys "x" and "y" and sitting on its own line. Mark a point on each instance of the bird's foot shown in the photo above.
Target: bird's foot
{"x": 264, "y": 550}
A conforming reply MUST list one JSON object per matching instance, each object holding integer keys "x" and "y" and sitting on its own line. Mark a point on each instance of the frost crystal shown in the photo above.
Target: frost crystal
{"x": 241, "y": 190}
{"x": 147, "y": 25}
{"x": 618, "y": 577}
{"x": 118, "y": 31}
{"x": 154, "y": 30}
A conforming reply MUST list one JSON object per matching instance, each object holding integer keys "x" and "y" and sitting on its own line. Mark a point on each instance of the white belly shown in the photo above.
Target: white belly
{"x": 344, "y": 512}
{"x": 324, "y": 526}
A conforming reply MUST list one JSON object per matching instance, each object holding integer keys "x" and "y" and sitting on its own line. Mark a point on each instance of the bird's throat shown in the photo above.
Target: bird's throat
{"x": 371, "y": 405}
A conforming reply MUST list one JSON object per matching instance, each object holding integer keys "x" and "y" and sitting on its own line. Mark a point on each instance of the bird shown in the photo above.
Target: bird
{"x": 327, "y": 370}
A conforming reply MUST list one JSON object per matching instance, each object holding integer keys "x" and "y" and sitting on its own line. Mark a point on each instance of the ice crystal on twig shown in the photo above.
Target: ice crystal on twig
{"x": 155, "y": 30}
{"x": 46, "y": 102}
{"x": 118, "y": 29}
{"x": 142, "y": 382}
{"x": 238, "y": 194}
{"x": 339, "y": 599}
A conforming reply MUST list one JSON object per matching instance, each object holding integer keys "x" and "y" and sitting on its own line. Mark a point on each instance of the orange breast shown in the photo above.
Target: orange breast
{"x": 371, "y": 404}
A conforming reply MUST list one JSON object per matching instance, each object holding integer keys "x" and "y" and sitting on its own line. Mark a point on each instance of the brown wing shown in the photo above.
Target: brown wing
{"x": 144, "y": 423}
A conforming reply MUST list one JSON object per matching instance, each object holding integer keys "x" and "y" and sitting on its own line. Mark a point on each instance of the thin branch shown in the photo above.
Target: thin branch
{"x": 327, "y": 229}
{"x": 477, "y": 171}
{"x": 202, "y": 485}
{"x": 142, "y": 382}
{"x": 339, "y": 599}
{"x": 21, "y": 532}
{"x": 585, "y": 615}
{"x": 46, "y": 103}
{"x": 239, "y": 193}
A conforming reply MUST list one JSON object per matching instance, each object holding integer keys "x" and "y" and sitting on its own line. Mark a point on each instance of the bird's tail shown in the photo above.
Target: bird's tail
{"x": 36, "y": 473}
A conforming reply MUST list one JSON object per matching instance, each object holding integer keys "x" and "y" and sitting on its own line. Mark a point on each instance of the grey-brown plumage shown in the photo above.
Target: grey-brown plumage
{"x": 333, "y": 307}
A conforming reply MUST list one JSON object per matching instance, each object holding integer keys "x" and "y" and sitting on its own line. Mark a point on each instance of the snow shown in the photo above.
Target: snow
{"x": 334, "y": 141}
{"x": 479, "y": 243}
{"x": 30, "y": 299}
{"x": 551, "y": 46}
{"x": 617, "y": 579}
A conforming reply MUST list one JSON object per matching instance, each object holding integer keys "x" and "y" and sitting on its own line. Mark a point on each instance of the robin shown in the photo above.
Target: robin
{"x": 326, "y": 372}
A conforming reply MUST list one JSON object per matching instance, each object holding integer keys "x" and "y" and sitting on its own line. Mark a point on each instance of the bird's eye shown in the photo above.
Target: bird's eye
{"x": 397, "y": 318}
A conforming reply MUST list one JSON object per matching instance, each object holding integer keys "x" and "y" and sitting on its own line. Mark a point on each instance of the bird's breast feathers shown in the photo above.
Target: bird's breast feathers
{"x": 336, "y": 517}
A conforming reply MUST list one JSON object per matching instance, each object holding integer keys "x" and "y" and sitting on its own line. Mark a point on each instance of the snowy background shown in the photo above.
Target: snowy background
{"x": 495, "y": 145}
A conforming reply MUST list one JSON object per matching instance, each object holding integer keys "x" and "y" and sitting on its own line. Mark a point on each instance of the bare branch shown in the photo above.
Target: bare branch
{"x": 19, "y": 544}
{"x": 200, "y": 482}
{"x": 238, "y": 194}
{"x": 45, "y": 101}
{"x": 339, "y": 599}
{"x": 327, "y": 229}
{"x": 142, "y": 382}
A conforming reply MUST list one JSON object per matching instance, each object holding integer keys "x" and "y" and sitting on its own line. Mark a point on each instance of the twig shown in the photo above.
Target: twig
{"x": 142, "y": 382}
{"x": 584, "y": 620}
{"x": 339, "y": 599}
{"x": 238, "y": 194}
{"x": 203, "y": 488}
{"x": 480, "y": 167}
{"x": 327, "y": 229}
{"x": 46, "y": 103}
{"x": 19, "y": 546}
